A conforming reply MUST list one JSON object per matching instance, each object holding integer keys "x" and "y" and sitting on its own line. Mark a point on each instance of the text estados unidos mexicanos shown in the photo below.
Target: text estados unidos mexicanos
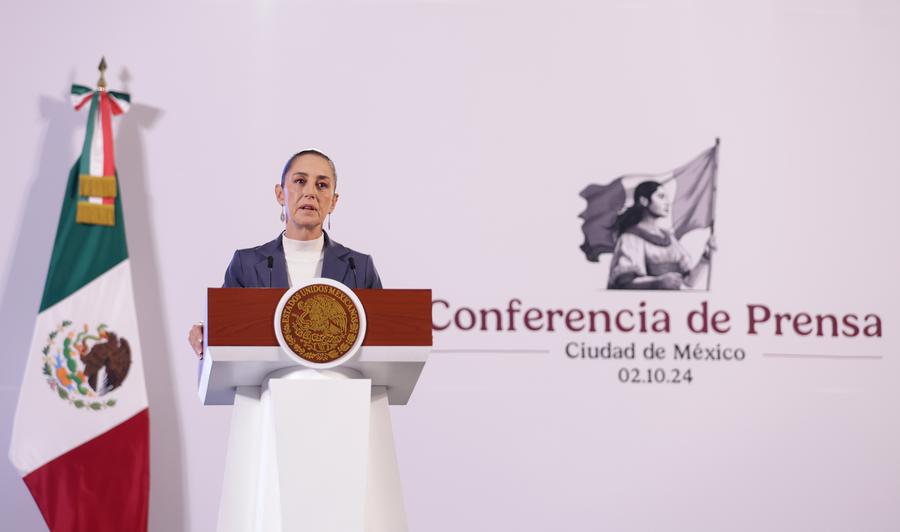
{"x": 760, "y": 319}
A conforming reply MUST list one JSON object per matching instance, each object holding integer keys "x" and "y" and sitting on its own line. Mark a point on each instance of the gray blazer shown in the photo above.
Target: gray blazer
{"x": 249, "y": 267}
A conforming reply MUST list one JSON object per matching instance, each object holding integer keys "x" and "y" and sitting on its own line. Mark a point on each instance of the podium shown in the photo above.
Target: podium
{"x": 311, "y": 445}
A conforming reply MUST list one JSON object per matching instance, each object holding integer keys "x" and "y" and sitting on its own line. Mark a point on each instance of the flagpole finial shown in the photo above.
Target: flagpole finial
{"x": 101, "y": 83}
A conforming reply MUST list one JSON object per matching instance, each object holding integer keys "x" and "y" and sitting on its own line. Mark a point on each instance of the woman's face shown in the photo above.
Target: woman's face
{"x": 308, "y": 193}
{"x": 659, "y": 204}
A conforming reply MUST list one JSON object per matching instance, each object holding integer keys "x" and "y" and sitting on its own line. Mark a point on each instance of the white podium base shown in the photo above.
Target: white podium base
{"x": 311, "y": 451}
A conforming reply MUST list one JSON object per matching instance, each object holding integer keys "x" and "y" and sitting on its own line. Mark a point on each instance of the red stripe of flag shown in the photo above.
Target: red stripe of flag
{"x": 109, "y": 166}
{"x": 102, "y": 485}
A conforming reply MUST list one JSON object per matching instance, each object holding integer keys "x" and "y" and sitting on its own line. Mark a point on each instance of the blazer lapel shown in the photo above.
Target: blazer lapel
{"x": 274, "y": 249}
{"x": 334, "y": 265}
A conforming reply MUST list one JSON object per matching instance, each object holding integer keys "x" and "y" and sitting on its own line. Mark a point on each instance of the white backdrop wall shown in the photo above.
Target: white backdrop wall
{"x": 462, "y": 133}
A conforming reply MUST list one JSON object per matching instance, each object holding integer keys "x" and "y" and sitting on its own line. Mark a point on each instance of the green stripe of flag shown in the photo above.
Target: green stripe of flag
{"x": 82, "y": 252}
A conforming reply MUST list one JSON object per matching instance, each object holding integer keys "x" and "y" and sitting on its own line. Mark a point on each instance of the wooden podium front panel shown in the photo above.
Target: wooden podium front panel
{"x": 245, "y": 316}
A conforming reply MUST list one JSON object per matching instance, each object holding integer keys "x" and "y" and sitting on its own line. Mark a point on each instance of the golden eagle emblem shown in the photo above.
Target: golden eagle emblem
{"x": 319, "y": 323}
{"x": 83, "y": 366}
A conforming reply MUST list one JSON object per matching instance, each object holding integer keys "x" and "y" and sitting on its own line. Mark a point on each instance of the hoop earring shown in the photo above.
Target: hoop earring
{"x": 282, "y": 215}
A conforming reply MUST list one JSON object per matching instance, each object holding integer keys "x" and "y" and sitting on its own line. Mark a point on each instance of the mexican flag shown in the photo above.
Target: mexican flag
{"x": 80, "y": 438}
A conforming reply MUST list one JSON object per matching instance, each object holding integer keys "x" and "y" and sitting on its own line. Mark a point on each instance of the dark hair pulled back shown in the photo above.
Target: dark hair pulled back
{"x": 635, "y": 213}
{"x": 299, "y": 154}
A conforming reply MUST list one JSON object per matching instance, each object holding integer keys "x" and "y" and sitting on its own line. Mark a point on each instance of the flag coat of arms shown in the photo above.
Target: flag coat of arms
{"x": 80, "y": 437}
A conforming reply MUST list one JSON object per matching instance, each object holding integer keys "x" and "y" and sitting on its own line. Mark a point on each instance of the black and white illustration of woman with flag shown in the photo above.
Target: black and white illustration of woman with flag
{"x": 641, "y": 218}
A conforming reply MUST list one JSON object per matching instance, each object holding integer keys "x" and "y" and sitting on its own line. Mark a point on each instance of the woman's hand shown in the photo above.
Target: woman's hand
{"x": 702, "y": 265}
{"x": 710, "y": 247}
{"x": 670, "y": 281}
{"x": 195, "y": 338}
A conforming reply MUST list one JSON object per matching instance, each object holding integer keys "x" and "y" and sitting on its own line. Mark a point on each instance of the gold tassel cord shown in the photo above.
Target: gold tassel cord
{"x": 97, "y": 186}
{"x": 95, "y": 214}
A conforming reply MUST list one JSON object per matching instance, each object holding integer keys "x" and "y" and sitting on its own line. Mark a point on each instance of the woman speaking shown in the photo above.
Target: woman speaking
{"x": 307, "y": 195}
{"x": 647, "y": 255}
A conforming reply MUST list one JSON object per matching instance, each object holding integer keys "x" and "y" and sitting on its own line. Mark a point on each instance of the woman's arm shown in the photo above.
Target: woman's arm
{"x": 702, "y": 266}
{"x": 234, "y": 274}
{"x": 666, "y": 281}
{"x": 697, "y": 271}
{"x": 233, "y": 279}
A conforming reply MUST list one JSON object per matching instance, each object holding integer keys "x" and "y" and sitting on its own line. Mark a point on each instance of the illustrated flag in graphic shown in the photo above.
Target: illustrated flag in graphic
{"x": 692, "y": 186}
{"x": 80, "y": 438}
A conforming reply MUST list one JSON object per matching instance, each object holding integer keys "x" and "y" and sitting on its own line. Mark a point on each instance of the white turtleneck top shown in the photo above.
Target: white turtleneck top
{"x": 304, "y": 258}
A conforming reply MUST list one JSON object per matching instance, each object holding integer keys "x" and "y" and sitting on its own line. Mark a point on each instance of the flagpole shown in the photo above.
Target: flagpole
{"x": 712, "y": 226}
